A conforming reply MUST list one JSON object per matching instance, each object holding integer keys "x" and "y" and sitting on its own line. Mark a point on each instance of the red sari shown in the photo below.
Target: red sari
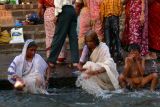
{"x": 134, "y": 32}
{"x": 154, "y": 25}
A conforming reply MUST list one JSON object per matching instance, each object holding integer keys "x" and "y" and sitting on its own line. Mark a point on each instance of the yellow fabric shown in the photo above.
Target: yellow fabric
{"x": 4, "y": 37}
{"x": 110, "y": 8}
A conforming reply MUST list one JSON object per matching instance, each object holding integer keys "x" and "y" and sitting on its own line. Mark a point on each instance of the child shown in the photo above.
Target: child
{"x": 133, "y": 75}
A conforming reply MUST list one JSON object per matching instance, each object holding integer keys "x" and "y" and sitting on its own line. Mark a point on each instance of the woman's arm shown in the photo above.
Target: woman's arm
{"x": 97, "y": 72}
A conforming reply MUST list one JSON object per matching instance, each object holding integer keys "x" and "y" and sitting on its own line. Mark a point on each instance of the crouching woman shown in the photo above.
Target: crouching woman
{"x": 27, "y": 70}
{"x": 98, "y": 70}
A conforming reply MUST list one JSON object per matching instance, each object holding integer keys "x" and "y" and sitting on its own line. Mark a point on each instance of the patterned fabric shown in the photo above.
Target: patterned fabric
{"x": 110, "y": 8}
{"x": 145, "y": 38}
{"x": 134, "y": 31}
{"x": 85, "y": 25}
{"x": 90, "y": 19}
{"x": 49, "y": 27}
{"x": 47, "y": 3}
{"x": 96, "y": 22}
{"x": 154, "y": 25}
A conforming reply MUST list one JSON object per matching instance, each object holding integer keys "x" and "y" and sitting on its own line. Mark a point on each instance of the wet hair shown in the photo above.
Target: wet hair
{"x": 134, "y": 47}
{"x": 32, "y": 44}
{"x": 93, "y": 35}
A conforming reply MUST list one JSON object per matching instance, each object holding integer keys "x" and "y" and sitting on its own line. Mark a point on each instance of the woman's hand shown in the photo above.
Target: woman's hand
{"x": 80, "y": 67}
{"x": 18, "y": 78}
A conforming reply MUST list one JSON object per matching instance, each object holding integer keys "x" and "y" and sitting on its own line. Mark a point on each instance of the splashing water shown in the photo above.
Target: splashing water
{"x": 78, "y": 98}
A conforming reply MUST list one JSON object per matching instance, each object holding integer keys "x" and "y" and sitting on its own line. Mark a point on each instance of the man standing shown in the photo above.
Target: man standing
{"x": 110, "y": 11}
{"x": 65, "y": 25}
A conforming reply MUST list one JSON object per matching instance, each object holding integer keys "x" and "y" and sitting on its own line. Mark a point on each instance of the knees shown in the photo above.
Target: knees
{"x": 155, "y": 75}
{"x": 121, "y": 78}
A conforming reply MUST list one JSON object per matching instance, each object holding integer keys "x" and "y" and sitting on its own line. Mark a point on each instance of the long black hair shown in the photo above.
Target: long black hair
{"x": 134, "y": 47}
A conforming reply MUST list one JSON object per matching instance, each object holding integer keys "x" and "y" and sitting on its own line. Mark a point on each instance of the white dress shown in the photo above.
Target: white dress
{"x": 32, "y": 73}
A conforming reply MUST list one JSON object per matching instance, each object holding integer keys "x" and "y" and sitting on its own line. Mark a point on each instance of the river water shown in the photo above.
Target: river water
{"x": 68, "y": 97}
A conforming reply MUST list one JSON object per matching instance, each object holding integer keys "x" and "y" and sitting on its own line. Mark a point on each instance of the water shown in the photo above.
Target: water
{"x": 78, "y": 98}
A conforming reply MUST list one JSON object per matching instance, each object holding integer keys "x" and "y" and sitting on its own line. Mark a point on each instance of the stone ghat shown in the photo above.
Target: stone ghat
{"x": 9, "y": 13}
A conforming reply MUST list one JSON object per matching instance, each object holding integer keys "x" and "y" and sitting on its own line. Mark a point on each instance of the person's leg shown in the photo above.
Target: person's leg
{"x": 107, "y": 32}
{"x": 115, "y": 32}
{"x": 49, "y": 26}
{"x": 98, "y": 27}
{"x": 122, "y": 81}
{"x": 84, "y": 26}
{"x": 73, "y": 38}
{"x": 153, "y": 78}
{"x": 61, "y": 31}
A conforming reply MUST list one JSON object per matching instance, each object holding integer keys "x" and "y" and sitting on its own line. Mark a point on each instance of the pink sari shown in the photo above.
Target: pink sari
{"x": 49, "y": 27}
{"x": 90, "y": 19}
{"x": 49, "y": 30}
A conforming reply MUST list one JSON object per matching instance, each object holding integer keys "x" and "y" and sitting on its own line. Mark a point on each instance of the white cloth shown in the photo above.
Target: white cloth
{"x": 30, "y": 72}
{"x": 100, "y": 83}
{"x": 84, "y": 55}
{"x": 59, "y": 4}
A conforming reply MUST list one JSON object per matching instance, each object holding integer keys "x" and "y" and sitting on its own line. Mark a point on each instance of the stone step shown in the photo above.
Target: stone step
{"x": 20, "y": 6}
{"x": 36, "y": 28}
{"x": 30, "y": 1}
{"x": 22, "y": 13}
{"x": 35, "y": 32}
{"x": 10, "y": 13}
{"x": 11, "y": 48}
{"x": 30, "y": 31}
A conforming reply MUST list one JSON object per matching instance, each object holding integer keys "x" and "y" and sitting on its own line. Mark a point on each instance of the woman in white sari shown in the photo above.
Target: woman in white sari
{"x": 99, "y": 75}
{"x": 28, "y": 69}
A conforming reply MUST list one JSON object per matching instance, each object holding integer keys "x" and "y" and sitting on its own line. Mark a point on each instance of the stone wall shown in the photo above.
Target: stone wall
{"x": 9, "y": 13}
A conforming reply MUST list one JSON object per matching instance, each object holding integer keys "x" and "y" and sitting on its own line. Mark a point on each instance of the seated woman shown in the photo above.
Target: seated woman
{"x": 27, "y": 70}
{"x": 99, "y": 74}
